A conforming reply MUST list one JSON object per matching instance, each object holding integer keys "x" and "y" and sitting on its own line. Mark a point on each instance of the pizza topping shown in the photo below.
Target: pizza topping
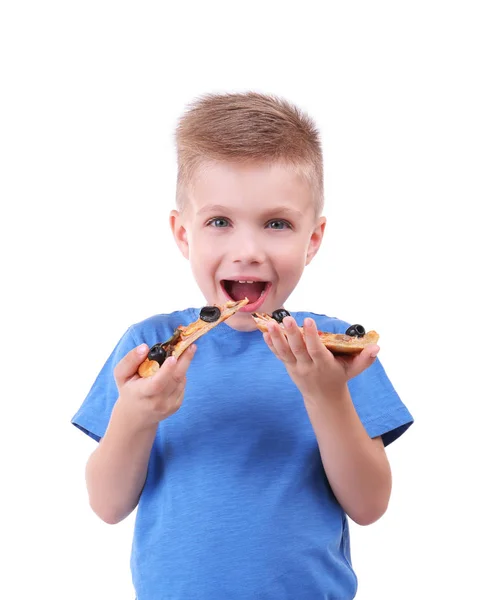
{"x": 356, "y": 331}
{"x": 157, "y": 353}
{"x": 238, "y": 290}
{"x": 210, "y": 314}
{"x": 176, "y": 336}
{"x": 280, "y": 314}
{"x": 160, "y": 352}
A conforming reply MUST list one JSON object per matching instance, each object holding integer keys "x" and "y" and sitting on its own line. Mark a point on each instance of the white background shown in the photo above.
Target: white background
{"x": 407, "y": 99}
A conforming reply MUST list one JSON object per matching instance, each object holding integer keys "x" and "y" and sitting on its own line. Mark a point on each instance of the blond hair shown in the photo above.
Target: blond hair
{"x": 248, "y": 127}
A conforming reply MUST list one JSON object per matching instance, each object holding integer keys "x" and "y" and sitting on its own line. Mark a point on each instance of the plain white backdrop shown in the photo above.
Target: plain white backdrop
{"x": 407, "y": 98}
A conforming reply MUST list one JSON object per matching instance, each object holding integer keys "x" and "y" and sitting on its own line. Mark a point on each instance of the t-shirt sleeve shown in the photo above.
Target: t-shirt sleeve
{"x": 378, "y": 405}
{"x": 93, "y": 415}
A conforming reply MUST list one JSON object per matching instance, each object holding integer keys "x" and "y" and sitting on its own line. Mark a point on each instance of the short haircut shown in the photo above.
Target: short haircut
{"x": 248, "y": 128}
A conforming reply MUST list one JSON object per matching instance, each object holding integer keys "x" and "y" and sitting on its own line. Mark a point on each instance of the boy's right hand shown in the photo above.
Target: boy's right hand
{"x": 152, "y": 399}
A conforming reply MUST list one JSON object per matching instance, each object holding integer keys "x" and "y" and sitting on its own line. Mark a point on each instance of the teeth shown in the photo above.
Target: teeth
{"x": 246, "y": 281}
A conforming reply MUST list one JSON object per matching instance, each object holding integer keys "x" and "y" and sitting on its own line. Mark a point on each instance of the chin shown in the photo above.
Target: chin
{"x": 242, "y": 322}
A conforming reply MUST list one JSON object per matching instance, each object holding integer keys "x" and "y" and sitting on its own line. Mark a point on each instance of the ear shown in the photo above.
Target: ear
{"x": 316, "y": 239}
{"x": 179, "y": 232}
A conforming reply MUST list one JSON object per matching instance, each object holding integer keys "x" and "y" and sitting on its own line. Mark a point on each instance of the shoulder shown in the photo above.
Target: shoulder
{"x": 178, "y": 317}
{"x": 153, "y": 329}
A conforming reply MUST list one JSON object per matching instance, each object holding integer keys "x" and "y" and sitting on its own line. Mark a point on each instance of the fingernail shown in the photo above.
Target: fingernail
{"x": 171, "y": 360}
{"x": 374, "y": 352}
{"x": 142, "y": 349}
{"x": 192, "y": 349}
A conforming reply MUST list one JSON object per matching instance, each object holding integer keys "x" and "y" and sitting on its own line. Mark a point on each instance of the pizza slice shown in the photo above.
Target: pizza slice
{"x": 184, "y": 336}
{"x": 351, "y": 342}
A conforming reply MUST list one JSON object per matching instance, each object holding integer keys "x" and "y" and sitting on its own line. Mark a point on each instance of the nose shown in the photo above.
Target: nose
{"x": 248, "y": 249}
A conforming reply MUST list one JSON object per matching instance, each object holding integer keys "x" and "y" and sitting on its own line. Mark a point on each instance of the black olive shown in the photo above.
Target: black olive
{"x": 356, "y": 331}
{"x": 280, "y": 314}
{"x": 210, "y": 314}
{"x": 172, "y": 340}
{"x": 157, "y": 353}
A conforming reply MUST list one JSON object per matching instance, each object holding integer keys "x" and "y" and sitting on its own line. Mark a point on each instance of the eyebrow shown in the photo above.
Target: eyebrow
{"x": 212, "y": 208}
{"x": 272, "y": 212}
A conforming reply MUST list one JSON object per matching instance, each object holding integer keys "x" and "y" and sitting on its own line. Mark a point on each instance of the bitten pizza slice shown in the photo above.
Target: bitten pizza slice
{"x": 351, "y": 342}
{"x": 184, "y": 336}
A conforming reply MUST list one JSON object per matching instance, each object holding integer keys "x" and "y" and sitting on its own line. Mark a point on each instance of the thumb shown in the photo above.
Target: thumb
{"x": 363, "y": 360}
{"x": 129, "y": 364}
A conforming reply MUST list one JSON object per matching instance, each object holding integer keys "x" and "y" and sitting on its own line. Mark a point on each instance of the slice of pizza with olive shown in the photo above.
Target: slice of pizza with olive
{"x": 184, "y": 336}
{"x": 351, "y": 342}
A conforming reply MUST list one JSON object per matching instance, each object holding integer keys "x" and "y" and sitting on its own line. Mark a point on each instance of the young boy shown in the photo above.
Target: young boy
{"x": 245, "y": 459}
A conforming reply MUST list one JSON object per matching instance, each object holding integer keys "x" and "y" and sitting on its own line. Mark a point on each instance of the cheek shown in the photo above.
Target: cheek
{"x": 292, "y": 254}
{"x": 290, "y": 265}
{"x": 204, "y": 256}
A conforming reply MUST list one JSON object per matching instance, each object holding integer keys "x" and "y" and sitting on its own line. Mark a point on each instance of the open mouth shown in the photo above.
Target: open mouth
{"x": 255, "y": 291}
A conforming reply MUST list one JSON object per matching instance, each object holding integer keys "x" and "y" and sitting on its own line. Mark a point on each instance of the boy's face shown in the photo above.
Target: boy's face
{"x": 244, "y": 224}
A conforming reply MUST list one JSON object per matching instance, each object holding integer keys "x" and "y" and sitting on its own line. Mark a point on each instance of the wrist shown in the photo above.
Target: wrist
{"x": 131, "y": 420}
{"x": 336, "y": 396}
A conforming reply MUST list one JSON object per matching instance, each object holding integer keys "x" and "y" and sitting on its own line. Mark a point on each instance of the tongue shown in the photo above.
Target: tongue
{"x": 238, "y": 291}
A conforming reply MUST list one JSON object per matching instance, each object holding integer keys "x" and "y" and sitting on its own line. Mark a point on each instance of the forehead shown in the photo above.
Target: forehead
{"x": 254, "y": 186}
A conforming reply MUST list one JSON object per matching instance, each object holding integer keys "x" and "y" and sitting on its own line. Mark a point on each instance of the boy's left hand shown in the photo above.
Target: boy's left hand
{"x": 317, "y": 373}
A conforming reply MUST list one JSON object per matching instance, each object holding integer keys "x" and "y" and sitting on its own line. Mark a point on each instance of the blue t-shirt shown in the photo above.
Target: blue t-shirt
{"x": 236, "y": 504}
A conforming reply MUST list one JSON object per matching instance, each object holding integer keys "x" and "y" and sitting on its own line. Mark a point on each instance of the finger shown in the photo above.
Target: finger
{"x": 179, "y": 399}
{"x": 269, "y": 342}
{"x": 363, "y": 360}
{"x": 183, "y": 363}
{"x": 295, "y": 339}
{"x": 315, "y": 348}
{"x": 174, "y": 369}
{"x": 128, "y": 365}
{"x": 280, "y": 343}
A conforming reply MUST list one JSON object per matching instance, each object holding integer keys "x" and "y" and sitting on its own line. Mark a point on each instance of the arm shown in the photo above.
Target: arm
{"x": 356, "y": 466}
{"x": 117, "y": 469}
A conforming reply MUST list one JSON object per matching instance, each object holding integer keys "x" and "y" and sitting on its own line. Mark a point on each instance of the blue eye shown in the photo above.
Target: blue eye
{"x": 279, "y": 224}
{"x": 218, "y": 222}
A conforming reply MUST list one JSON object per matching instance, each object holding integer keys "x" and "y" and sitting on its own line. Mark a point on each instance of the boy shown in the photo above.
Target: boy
{"x": 246, "y": 459}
